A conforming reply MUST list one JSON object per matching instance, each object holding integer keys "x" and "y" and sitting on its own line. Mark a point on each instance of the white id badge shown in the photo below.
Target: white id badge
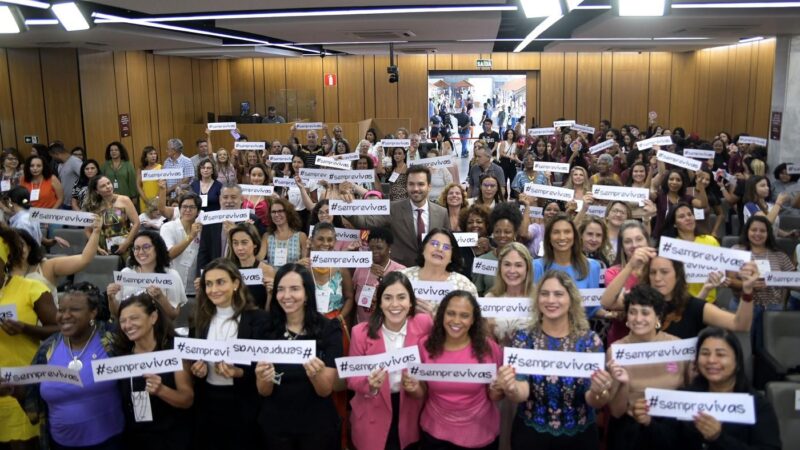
{"x": 365, "y": 299}
{"x": 116, "y": 184}
{"x": 204, "y": 200}
{"x": 34, "y": 195}
{"x": 142, "y": 409}
{"x": 323, "y": 300}
{"x": 763, "y": 267}
{"x": 699, "y": 213}
{"x": 393, "y": 177}
{"x": 5, "y": 185}
{"x": 281, "y": 257}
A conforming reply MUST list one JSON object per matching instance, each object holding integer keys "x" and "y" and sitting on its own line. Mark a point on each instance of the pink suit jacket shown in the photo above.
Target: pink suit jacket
{"x": 372, "y": 416}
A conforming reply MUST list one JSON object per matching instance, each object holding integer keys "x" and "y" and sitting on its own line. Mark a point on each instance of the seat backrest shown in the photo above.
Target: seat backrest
{"x": 747, "y": 351}
{"x": 729, "y": 241}
{"x": 724, "y": 297}
{"x": 789, "y": 223}
{"x": 781, "y": 395}
{"x": 787, "y": 245}
{"x": 76, "y": 238}
{"x": 781, "y": 338}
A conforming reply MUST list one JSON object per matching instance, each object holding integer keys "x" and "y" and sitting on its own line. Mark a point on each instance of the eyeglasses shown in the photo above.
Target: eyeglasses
{"x": 440, "y": 245}
{"x": 144, "y": 248}
{"x": 278, "y": 211}
{"x": 618, "y": 212}
{"x": 489, "y": 185}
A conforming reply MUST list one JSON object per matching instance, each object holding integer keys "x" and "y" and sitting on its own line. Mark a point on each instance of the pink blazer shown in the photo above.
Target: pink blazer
{"x": 372, "y": 416}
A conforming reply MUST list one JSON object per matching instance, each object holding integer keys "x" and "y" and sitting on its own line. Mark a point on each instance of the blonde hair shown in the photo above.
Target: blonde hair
{"x": 587, "y": 182}
{"x": 578, "y": 324}
{"x": 499, "y": 288}
{"x": 758, "y": 167}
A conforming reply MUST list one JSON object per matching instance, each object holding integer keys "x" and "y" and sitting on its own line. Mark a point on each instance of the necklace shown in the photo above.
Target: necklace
{"x": 76, "y": 363}
{"x": 290, "y": 335}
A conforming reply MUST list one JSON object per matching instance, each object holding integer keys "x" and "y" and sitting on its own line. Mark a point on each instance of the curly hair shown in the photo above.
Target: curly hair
{"x": 643, "y": 295}
{"x": 481, "y": 211}
{"x": 477, "y": 331}
{"x": 456, "y": 260}
{"x": 14, "y": 242}
{"x": 292, "y": 218}
{"x": 162, "y": 254}
{"x": 162, "y": 330}
{"x": 442, "y": 200}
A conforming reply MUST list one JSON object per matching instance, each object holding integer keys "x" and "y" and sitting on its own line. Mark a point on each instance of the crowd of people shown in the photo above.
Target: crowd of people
{"x": 545, "y": 250}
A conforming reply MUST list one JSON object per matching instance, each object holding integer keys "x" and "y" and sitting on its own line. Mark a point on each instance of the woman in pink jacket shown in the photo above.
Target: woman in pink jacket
{"x": 384, "y": 415}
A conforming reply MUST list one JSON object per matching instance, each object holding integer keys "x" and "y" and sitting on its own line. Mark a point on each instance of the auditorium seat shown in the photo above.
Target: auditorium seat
{"x": 724, "y": 297}
{"x": 729, "y": 241}
{"x": 100, "y": 271}
{"x": 747, "y": 351}
{"x": 789, "y": 223}
{"x": 76, "y": 238}
{"x": 787, "y": 245}
{"x": 781, "y": 395}
{"x": 781, "y": 343}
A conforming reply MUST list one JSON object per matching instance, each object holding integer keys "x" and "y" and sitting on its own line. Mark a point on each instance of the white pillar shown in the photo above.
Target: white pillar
{"x": 786, "y": 99}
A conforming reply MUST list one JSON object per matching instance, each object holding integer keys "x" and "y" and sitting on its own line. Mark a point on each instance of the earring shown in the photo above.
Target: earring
{"x": 658, "y": 324}
{"x": 91, "y": 322}
{"x": 628, "y": 324}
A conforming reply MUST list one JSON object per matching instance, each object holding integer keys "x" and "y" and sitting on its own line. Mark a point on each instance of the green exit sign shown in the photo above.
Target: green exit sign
{"x": 484, "y": 63}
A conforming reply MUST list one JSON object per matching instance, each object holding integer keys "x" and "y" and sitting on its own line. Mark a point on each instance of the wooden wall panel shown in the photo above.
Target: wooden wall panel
{"x": 629, "y": 88}
{"x": 62, "y": 95}
{"x": 524, "y": 61}
{"x": 466, "y": 62}
{"x": 682, "y": 90}
{"x": 242, "y": 84}
{"x": 764, "y": 75}
{"x": 141, "y": 121}
{"x": 152, "y": 100}
{"x": 8, "y": 135}
{"x": 606, "y": 85}
{"x": 659, "y": 87}
{"x": 443, "y": 62}
{"x": 701, "y": 88}
{"x": 551, "y": 88}
{"x": 180, "y": 72}
{"x": 222, "y": 88}
{"x": 99, "y": 101}
{"x": 275, "y": 84}
{"x": 385, "y": 92}
{"x": 412, "y": 90}
{"x": 330, "y": 93}
{"x": 499, "y": 61}
{"x": 123, "y": 104}
{"x": 197, "y": 97}
{"x": 369, "y": 86}
{"x": 351, "y": 88}
{"x": 589, "y": 88}
{"x": 260, "y": 105}
{"x": 716, "y": 93}
{"x": 570, "y": 85}
{"x": 532, "y": 115}
{"x": 25, "y": 74}
{"x": 304, "y": 82}
{"x": 166, "y": 126}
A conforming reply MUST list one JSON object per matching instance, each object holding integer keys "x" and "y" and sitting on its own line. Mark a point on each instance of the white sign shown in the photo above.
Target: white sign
{"x": 654, "y": 352}
{"x": 553, "y": 363}
{"x": 362, "y": 366}
{"x": 583, "y": 128}
{"x": 454, "y": 373}
{"x": 699, "y": 213}
{"x": 437, "y": 162}
{"x": 143, "y": 280}
{"x": 658, "y": 140}
{"x": 591, "y": 297}
{"x": 224, "y": 215}
{"x": 280, "y": 158}
{"x": 466, "y": 239}
{"x": 752, "y": 140}
{"x": 359, "y": 208}
{"x": 485, "y": 266}
{"x": 342, "y": 234}
{"x": 543, "y": 166}
{"x": 596, "y": 210}
{"x": 688, "y": 252}
{"x": 136, "y": 365}
{"x": 62, "y": 217}
{"x": 698, "y": 154}
{"x": 395, "y": 143}
{"x": 563, "y": 123}
{"x": 338, "y": 176}
{"x": 204, "y": 350}
{"x": 8, "y": 312}
{"x": 684, "y": 405}
{"x": 219, "y": 126}
{"x": 308, "y": 126}
{"x": 621, "y": 193}
{"x": 541, "y": 131}
{"x": 793, "y": 169}
{"x": 678, "y": 160}
{"x": 764, "y": 267}
{"x": 258, "y": 145}
{"x": 698, "y": 273}
{"x": 506, "y": 307}
{"x": 341, "y": 259}
{"x": 257, "y": 189}
{"x": 545, "y": 191}
{"x": 536, "y": 212}
{"x": 349, "y": 156}
{"x": 432, "y": 290}
{"x": 333, "y": 163}
{"x": 276, "y": 352}
{"x": 782, "y": 279}
{"x": 283, "y": 182}
{"x": 602, "y": 146}
{"x": 163, "y": 174}
{"x": 252, "y": 277}
{"x": 36, "y": 374}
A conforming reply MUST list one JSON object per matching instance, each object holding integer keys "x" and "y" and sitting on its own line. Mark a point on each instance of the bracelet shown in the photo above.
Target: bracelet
{"x": 747, "y": 298}
{"x": 602, "y": 394}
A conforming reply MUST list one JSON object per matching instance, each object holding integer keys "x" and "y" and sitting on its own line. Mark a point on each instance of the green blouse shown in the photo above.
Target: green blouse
{"x": 124, "y": 178}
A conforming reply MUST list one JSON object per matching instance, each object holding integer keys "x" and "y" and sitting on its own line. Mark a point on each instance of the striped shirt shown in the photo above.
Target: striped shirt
{"x": 182, "y": 163}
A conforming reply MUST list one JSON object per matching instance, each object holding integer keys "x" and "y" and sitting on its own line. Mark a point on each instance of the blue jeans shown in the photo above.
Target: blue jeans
{"x": 464, "y": 141}
{"x": 757, "y": 327}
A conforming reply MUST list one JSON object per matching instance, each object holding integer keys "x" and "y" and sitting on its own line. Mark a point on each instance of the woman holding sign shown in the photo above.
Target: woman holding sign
{"x": 243, "y": 245}
{"x": 720, "y": 362}
{"x": 297, "y": 411}
{"x": 458, "y": 415}
{"x": 39, "y": 180}
{"x": 156, "y": 407}
{"x": 207, "y": 186}
{"x": 225, "y": 396}
{"x": 284, "y": 242}
{"x": 150, "y": 255}
{"x": 504, "y": 221}
{"x": 120, "y": 220}
{"x": 385, "y": 414}
{"x": 259, "y": 176}
{"x": 367, "y": 279}
{"x": 668, "y": 189}
{"x": 556, "y": 412}
{"x": 148, "y": 190}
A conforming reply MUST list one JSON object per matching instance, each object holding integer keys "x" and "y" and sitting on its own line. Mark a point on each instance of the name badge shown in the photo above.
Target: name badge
{"x": 393, "y": 177}
{"x": 281, "y": 257}
{"x": 35, "y": 195}
{"x": 323, "y": 300}
{"x": 204, "y": 200}
{"x": 365, "y": 299}
{"x": 5, "y": 185}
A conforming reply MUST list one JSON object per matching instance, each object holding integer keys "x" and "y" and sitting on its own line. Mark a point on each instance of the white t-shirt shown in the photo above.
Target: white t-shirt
{"x": 184, "y": 264}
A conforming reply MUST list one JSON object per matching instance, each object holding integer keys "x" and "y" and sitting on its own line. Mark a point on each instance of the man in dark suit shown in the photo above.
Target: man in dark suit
{"x": 409, "y": 219}
{"x": 213, "y": 238}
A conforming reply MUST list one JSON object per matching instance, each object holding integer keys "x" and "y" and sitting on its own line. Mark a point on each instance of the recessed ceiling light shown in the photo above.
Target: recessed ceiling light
{"x": 11, "y": 20}
{"x": 31, "y": 3}
{"x": 70, "y": 16}
{"x": 641, "y": 8}
{"x": 729, "y": 5}
{"x": 536, "y": 32}
{"x": 751, "y": 39}
{"x": 541, "y": 8}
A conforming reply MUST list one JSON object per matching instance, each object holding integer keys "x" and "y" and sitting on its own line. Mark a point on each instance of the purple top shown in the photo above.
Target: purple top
{"x": 82, "y": 416}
